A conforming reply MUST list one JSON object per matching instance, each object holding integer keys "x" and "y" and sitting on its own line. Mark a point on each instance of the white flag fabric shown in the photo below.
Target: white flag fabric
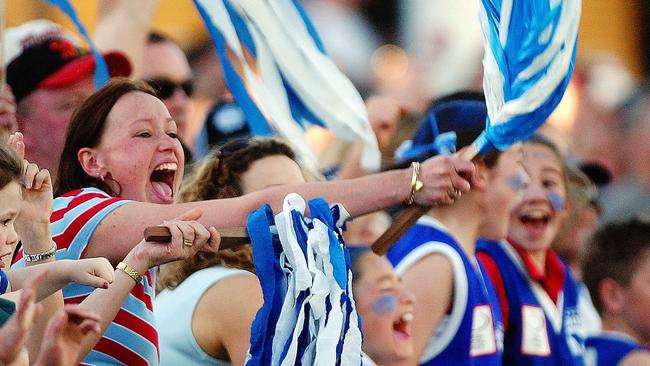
{"x": 279, "y": 73}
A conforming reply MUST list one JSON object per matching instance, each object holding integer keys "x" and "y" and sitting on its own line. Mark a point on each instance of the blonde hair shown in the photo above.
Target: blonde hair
{"x": 219, "y": 176}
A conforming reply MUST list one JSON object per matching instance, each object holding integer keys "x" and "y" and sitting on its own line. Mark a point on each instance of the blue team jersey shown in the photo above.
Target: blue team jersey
{"x": 472, "y": 333}
{"x": 539, "y": 332}
{"x": 4, "y": 282}
{"x": 608, "y": 349}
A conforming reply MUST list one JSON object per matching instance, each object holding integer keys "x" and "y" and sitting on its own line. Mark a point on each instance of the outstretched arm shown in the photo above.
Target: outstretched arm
{"x": 440, "y": 175}
{"x": 95, "y": 272}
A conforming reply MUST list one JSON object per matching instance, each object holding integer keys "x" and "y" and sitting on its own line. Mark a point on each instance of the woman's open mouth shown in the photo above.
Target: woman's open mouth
{"x": 162, "y": 181}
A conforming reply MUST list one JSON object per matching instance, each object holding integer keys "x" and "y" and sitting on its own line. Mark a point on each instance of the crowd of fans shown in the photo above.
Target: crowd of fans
{"x": 537, "y": 255}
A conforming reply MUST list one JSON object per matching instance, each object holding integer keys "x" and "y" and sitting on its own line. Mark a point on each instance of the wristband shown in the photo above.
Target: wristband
{"x": 40, "y": 256}
{"x": 130, "y": 271}
{"x": 416, "y": 183}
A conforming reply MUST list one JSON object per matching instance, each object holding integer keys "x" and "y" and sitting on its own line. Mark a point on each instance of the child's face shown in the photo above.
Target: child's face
{"x": 535, "y": 221}
{"x": 637, "y": 299}
{"x": 386, "y": 311}
{"x": 10, "y": 199}
{"x": 504, "y": 189}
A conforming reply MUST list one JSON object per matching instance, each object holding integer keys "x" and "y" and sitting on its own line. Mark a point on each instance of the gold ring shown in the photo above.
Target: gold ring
{"x": 188, "y": 242}
{"x": 454, "y": 193}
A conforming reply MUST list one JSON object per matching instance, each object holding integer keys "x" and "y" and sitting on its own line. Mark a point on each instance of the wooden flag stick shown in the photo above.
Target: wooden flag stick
{"x": 411, "y": 215}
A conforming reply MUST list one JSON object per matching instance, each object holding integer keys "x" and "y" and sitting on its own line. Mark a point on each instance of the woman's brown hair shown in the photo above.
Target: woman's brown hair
{"x": 219, "y": 175}
{"x": 86, "y": 129}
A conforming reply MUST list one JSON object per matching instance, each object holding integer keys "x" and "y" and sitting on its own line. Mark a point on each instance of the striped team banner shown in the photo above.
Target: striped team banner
{"x": 309, "y": 316}
{"x": 279, "y": 73}
{"x": 530, "y": 50}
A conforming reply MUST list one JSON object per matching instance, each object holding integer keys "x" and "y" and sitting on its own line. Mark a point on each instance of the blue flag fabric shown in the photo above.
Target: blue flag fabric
{"x": 309, "y": 316}
{"x": 279, "y": 73}
{"x": 101, "y": 69}
{"x": 530, "y": 50}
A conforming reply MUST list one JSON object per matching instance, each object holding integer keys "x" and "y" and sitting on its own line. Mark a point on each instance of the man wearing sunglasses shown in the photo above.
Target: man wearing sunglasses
{"x": 166, "y": 69}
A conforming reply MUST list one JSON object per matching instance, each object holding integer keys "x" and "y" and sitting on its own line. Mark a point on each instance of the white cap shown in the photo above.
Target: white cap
{"x": 16, "y": 39}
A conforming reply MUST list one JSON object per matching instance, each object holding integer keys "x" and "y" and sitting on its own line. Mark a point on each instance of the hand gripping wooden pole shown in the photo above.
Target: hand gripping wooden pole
{"x": 410, "y": 216}
{"x": 231, "y": 237}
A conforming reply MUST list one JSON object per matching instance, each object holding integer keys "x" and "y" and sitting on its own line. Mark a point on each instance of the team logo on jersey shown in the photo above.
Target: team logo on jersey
{"x": 483, "y": 341}
{"x": 534, "y": 336}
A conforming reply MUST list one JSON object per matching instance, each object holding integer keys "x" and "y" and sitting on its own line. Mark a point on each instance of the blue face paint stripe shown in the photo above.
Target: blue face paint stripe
{"x": 556, "y": 200}
{"x": 515, "y": 182}
{"x": 385, "y": 304}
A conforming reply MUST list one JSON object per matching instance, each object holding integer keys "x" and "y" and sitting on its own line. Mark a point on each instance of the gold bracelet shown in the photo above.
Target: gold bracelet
{"x": 137, "y": 277}
{"x": 416, "y": 183}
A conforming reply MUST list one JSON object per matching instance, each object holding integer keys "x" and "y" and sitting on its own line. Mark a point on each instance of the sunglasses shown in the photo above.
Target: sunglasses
{"x": 165, "y": 88}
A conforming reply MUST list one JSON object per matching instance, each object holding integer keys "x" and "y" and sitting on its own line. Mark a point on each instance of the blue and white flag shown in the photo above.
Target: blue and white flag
{"x": 309, "y": 316}
{"x": 530, "y": 50}
{"x": 279, "y": 73}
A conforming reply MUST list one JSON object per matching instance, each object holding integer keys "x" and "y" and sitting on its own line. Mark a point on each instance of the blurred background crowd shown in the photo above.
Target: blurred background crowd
{"x": 412, "y": 51}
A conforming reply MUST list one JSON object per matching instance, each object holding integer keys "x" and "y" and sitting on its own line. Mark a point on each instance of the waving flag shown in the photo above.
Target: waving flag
{"x": 530, "y": 50}
{"x": 277, "y": 69}
{"x": 309, "y": 316}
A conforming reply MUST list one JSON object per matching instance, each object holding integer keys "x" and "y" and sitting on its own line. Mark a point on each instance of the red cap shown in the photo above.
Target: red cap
{"x": 118, "y": 65}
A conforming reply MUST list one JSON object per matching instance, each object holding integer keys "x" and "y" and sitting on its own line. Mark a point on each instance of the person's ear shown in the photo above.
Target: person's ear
{"x": 481, "y": 176}
{"x": 612, "y": 295}
{"x": 90, "y": 163}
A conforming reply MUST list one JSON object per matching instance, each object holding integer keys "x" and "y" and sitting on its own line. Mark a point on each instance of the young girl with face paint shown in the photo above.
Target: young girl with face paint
{"x": 385, "y": 308}
{"x": 537, "y": 292}
{"x": 456, "y": 317}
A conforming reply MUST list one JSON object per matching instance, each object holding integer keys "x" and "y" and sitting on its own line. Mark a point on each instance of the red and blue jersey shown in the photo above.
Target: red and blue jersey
{"x": 472, "y": 332}
{"x": 540, "y": 309}
{"x": 609, "y": 349}
{"x": 131, "y": 339}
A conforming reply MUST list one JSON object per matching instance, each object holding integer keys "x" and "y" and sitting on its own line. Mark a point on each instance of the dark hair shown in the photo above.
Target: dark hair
{"x": 11, "y": 166}
{"x": 356, "y": 253}
{"x": 86, "y": 129}
{"x": 614, "y": 252}
{"x": 219, "y": 176}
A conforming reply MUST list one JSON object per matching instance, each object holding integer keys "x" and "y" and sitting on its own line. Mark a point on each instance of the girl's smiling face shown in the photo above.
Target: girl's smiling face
{"x": 386, "y": 310}
{"x": 536, "y": 220}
